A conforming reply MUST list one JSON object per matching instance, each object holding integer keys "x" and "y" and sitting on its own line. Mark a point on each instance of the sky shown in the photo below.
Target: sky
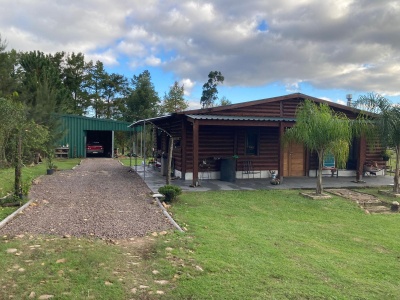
{"x": 325, "y": 49}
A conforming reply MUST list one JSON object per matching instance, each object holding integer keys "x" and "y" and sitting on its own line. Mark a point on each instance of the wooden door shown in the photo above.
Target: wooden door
{"x": 293, "y": 160}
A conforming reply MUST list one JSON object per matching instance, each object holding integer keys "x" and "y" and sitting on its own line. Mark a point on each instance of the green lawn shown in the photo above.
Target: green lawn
{"x": 70, "y": 268}
{"x": 238, "y": 245}
{"x": 126, "y": 161}
{"x": 28, "y": 174}
{"x": 278, "y": 245}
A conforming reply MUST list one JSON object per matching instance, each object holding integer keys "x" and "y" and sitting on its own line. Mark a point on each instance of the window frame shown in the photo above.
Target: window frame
{"x": 255, "y": 133}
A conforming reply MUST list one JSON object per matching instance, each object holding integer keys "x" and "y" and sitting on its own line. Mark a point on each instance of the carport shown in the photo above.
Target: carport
{"x": 78, "y": 131}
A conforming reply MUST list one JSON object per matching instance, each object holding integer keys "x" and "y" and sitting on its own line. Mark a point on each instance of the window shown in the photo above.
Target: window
{"x": 252, "y": 142}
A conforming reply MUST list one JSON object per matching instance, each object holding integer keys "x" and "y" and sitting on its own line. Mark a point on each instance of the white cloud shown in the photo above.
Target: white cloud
{"x": 188, "y": 85}
{"x": 152, "y": 61}
{"x": 341, "y": 44}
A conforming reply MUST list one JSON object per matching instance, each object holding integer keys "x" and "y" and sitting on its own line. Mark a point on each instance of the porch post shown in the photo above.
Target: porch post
{"x": 183, "y": 149}
{"x": 362, "y": 151}
{"x": 195, "y": 153}
{"x": 281, "y": 153}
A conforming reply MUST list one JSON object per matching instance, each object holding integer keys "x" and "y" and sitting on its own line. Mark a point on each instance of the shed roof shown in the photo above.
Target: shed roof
{"x": 87, "y": 123}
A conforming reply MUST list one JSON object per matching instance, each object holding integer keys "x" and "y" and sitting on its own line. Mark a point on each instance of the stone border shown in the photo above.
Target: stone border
{"x": 165, "y": 212}
{"x": 14, "y": 214}
{"x": 314, "y": 196}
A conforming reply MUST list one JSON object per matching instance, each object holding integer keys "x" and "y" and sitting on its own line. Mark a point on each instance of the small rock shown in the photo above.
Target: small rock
{"x": 155, "y": 272}
{"x": 67, "y": 236}
{"x": 44, "y": 297}
{"x": 134, "y": 290}
{"x": 162, "y": 282}
{"x": 12, "y": 250}
{"x": 108, "y": 283}
{"x": 198, "y": 268}
{"x": 21, "y": 270}
{"x": 154, "y": 234}
{"x": 143, "y": 286}
{"x": 176, "y": 276}
{"x": 160, "y": 292}
{"x": 163, "y": 232}
{"x": 32, "y": 295}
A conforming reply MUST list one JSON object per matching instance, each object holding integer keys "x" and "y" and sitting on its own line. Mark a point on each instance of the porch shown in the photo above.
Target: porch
{"x": 154, "y": 180}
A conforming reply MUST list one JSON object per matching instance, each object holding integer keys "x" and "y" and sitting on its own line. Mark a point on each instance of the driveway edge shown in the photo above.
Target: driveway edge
{"x": 18, "y": 211}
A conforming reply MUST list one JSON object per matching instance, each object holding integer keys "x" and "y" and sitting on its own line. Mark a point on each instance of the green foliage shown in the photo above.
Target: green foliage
{"x": 143, "y": 102}
{"x": 174, "y": 101}
{"x": 14, "y": 113}
{"x": 210, "y": 91}
{"x": 382, "y": 123}
{"x": 322, "y": 130}
{"x": 170, "y": 192}
{"x": 224, "y": 101}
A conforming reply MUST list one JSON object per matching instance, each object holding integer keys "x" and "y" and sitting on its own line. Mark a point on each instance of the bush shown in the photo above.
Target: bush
{"x": 170, "y": 192}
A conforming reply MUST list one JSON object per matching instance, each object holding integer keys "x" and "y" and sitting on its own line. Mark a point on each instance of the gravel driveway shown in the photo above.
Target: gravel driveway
{"x": 99, "y": 198}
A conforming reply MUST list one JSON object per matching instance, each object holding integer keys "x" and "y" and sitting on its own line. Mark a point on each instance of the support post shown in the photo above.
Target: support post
{"x": 195, "y": 153}
{"x": 281, "y": 152}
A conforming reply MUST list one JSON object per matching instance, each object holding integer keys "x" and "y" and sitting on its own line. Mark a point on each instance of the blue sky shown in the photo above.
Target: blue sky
{"x": 325, "y": 49}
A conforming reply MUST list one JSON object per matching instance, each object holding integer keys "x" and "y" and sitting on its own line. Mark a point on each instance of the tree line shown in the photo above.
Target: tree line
{"x": 36, "y": 87}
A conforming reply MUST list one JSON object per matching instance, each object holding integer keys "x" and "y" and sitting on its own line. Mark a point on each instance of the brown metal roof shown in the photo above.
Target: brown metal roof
{"x": 239, "y": 118}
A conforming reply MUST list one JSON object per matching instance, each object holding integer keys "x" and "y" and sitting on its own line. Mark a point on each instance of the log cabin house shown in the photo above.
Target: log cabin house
{"x": 244, "y": 141}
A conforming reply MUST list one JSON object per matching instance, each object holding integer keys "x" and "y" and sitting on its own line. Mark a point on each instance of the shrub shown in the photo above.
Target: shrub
{"x": 170, "y": 192}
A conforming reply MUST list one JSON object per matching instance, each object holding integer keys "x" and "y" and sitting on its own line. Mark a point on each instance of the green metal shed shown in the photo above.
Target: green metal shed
{"x": 80, "y": 130}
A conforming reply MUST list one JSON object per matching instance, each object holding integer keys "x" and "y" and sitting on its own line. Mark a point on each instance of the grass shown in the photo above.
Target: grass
{"x": 71, "y": 268}
{"x": 28, "y": 174}
{"x": 278, "y": 245}
{"x": 135, "y": 161}
{"x": 238, "y": 245}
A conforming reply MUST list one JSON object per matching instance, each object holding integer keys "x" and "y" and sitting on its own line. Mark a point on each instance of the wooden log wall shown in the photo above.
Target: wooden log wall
{"x": 220, "y": 142}
{"x": 268, "y": 149}
{"x": 214, "y": 142}
{"x": 260, "y": 110}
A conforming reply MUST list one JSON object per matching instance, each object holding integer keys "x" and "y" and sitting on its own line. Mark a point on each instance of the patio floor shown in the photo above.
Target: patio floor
{"x": 154, "y": 180}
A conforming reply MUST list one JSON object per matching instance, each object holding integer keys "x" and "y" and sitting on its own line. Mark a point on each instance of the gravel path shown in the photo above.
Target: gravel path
{"x": 99, "y": 198}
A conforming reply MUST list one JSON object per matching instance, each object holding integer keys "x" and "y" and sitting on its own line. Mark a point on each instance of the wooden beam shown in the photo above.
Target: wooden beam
{"x": 183, "y": 148}
{"x": 195, "y": 153}
{"x": 281, "y": 151}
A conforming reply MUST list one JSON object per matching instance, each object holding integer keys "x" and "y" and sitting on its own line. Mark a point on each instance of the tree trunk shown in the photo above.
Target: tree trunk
{"x": 18, "y": 166}
{"x": 396, "y": 172}
{"x": 319, "y": 189}
{"x": 171, "y": 148}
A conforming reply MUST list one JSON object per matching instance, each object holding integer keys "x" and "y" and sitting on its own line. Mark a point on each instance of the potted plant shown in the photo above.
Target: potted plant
{"x": 50, "y": 164}
{"x": 386, "y": 155}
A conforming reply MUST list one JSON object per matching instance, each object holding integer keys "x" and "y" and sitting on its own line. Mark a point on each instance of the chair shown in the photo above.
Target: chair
{"x": 248, "y": 169}
{"x": 205, "y": 169}
{"x": 370, "y": 168}
{"x": 329, "y": 164}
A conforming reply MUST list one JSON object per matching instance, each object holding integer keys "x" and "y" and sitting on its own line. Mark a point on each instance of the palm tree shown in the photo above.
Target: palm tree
{"x": 385, "y": 125}
{"x": 322, "y": 130}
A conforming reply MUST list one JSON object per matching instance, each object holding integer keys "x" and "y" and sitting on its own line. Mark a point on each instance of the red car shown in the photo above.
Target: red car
{"x": 94, "y": 148}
